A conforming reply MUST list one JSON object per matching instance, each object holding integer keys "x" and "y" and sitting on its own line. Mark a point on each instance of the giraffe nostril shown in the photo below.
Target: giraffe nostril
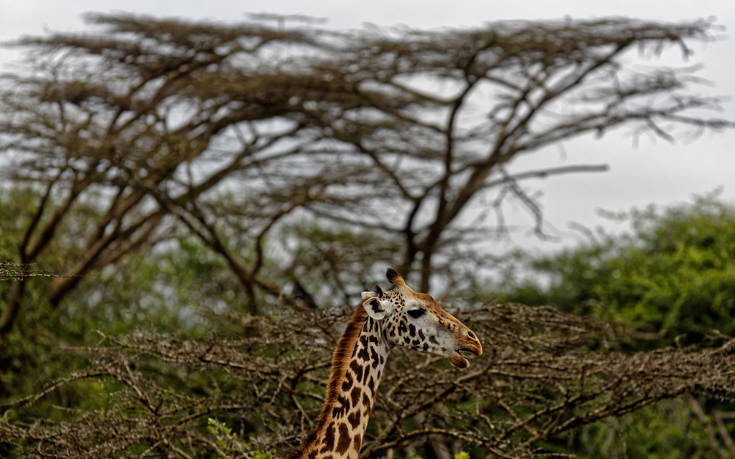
{"x": 471, "y": 335}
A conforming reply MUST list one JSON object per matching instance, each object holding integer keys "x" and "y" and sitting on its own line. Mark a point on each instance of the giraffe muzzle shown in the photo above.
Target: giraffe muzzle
{"x": 468, "y": 347}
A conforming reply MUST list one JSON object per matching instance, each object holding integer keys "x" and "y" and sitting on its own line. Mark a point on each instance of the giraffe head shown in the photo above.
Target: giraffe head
{"x": 415, "y": 320}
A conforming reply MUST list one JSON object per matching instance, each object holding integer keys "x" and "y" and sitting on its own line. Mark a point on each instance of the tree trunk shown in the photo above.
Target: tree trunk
{"x": 17, "y": 291}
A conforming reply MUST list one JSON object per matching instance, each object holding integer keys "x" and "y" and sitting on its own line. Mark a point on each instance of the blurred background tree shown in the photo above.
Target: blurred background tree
{"x": 672, "y": 278}
{"x": 194, "y": 207}
{"x": 670, "y": 281}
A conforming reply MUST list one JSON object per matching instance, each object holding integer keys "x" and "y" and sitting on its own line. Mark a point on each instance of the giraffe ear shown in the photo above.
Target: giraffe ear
{"x": 377, "y": 309}
{"x": 393, "y": 276}
{"x": 396, "y": 279}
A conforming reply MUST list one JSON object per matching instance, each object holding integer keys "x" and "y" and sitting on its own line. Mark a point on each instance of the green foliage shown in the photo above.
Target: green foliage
{"x": 227, "y": 441}
{"x": 672, "y": 278}
{"x": 145, "y": 291}
{"x": 674, "y": 275}
{"x": 32, "y": 353}
{"x": 666, "y": 431}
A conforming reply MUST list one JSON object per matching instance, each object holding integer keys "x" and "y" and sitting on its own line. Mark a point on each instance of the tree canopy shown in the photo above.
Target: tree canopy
{"x": 672, "y": 276}
{"x": 668, "y": 282}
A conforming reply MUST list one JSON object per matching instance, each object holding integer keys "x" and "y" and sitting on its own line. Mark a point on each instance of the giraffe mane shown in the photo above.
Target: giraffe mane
{"x": 340, "y": 361}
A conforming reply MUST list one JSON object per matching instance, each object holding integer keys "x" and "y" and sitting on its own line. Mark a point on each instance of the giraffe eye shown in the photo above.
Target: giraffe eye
{"x": 416, "y": 313}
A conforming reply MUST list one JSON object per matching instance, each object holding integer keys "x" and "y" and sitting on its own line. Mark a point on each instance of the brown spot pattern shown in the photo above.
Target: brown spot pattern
{"x": 355, "y": 395}
{"x": 357, "y": 369}
{"x": 328, "y": 438}
{"x": 344, "y": 439}
{"x": 354, "y": 418}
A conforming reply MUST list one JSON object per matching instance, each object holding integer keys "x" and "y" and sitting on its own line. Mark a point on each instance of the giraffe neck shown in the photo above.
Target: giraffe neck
{"x": 357, "y": 366}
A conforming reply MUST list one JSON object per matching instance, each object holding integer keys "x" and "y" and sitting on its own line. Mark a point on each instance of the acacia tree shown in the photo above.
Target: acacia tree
{"x": 545, "y": 374}
{"x": 395, "y": 131}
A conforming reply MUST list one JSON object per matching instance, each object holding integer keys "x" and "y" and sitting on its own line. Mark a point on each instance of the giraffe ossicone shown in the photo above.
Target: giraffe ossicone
{"x": 397, "y": 317}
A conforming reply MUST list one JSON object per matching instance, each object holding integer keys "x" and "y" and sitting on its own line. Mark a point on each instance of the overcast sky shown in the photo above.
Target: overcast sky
{"x": 653, "y": 172}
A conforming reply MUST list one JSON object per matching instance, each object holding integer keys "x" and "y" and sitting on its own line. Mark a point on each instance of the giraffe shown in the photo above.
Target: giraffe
{"x": 397, "y": 317}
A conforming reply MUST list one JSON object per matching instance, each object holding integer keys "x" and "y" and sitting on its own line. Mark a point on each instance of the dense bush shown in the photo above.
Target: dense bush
{"x": 672, "y": 280}
{"x": 673, "y": 275}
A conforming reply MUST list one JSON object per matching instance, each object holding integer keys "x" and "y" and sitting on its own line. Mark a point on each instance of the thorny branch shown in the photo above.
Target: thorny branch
{"x": 533, "y": 351}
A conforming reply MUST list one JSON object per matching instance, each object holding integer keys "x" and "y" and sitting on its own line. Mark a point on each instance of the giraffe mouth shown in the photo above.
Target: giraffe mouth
{"x": 467, "y": 352}
{"x": 458, "y": 358}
